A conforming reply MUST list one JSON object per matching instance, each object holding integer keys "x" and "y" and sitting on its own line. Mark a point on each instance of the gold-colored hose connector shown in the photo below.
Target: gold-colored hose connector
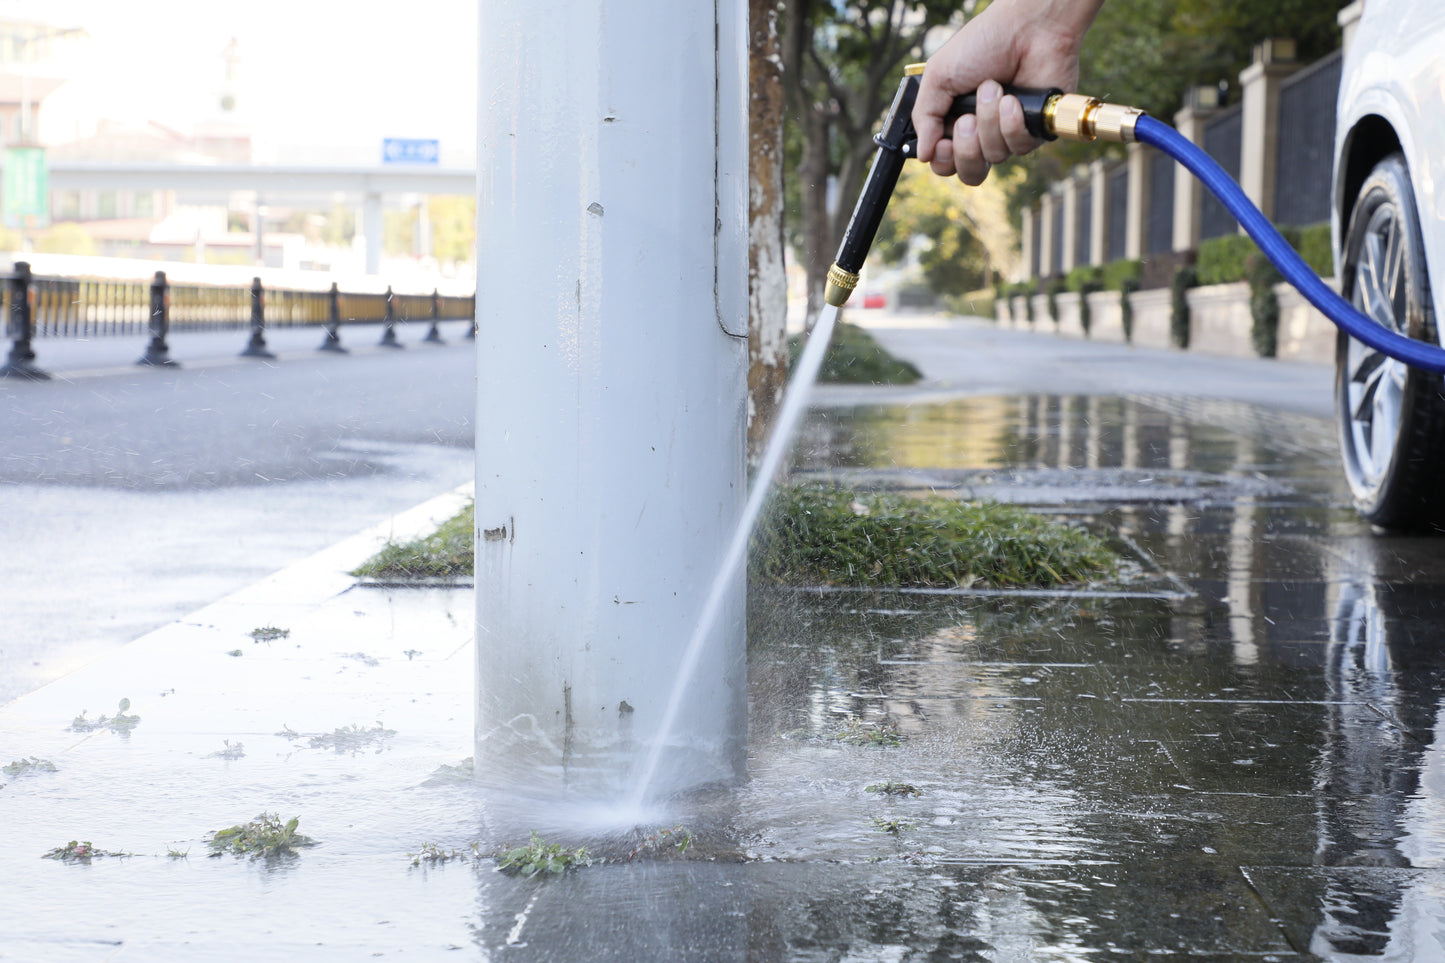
{"x": 840, "y": 284}
{"x": 1078, "y": 117}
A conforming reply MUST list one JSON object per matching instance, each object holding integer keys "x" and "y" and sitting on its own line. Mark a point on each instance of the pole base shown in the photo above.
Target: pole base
{"x": 24, "y": 370}
{"x": 258, "y": 349}
{"x": 158, "y": 355}
{"x": 434, "y": 336}
{"x": 388, "y": 340}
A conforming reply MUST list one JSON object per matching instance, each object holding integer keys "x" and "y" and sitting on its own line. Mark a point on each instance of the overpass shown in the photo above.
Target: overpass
{"x": 371, "y": 182}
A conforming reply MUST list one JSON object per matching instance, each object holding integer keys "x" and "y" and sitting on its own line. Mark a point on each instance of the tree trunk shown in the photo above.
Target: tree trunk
{"x": 767, "y": 282}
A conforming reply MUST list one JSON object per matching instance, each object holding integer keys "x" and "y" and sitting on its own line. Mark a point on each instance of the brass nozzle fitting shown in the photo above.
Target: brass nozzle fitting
{"x": 840, "y": 284}
{"x": 1078, "y": 117}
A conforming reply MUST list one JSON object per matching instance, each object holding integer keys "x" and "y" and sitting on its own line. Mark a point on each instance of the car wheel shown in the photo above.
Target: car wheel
{"x": 1391, "y": 417}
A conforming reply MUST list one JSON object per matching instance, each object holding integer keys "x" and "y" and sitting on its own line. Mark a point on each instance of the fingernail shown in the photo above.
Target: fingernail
{"x": 989, "y": 92}
{"x": 967, "y": 126}
{"x": 1010, "y": 108}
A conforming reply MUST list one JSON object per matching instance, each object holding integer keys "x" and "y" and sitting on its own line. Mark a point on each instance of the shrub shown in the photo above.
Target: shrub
{"x": 1126, "y": 307}
{"x": 1053, "y": 289}
{"x": 1314, "y": 246}
{"x": 1263, "y": 304}
{"x": 1116, "y": 274}
{"x": 1224, "y": 260}
{"x": 1185, "y": 277}
{"x": 1085, "y": 279}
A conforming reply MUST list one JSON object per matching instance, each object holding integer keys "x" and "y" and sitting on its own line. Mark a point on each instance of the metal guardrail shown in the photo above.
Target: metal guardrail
{"x": 90, "y": 307}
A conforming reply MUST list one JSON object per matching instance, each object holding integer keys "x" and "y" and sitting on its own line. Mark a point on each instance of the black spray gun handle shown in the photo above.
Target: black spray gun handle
{"x": 896, "y": 143}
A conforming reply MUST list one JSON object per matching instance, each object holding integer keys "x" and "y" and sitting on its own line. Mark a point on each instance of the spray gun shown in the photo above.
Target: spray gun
{"x": 1048, "y": 114}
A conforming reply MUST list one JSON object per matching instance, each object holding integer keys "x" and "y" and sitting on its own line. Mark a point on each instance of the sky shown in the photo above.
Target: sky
{"x": 320, "y": 80}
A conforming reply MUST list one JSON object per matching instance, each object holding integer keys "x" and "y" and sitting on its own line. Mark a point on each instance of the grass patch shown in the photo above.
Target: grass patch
{"x": 825, "y": 536}
{"x": 80, "y": 852}
{"x": 892, "y": 788}
{"x": 29, "y": 766}
{"x": 854, "y": 357}
{"x": 265, "y": 835}
{"x": 269, "y": 633}
{"x": 446, "y": 553}
{"x": 353, "y": 738}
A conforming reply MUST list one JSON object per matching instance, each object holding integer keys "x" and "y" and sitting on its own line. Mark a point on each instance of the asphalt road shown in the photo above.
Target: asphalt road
{"x": 131, "y": 496}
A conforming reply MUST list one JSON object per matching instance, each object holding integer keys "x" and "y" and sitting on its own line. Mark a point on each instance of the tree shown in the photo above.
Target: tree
{"x": 841, "y": 65}
{"x": 767, "y": 282}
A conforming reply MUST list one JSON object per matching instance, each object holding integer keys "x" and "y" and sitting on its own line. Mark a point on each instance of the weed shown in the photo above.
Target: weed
{"x": 894, "y": 827}
{"x": 238, "y": 751}
{"x": 676, "y": 839}
{"x": 235, "y": 653}
{"x": 411, "y": 654}
{"x": 352, "y": 738}
{"x": 856, "y": 732}
{"x": 541, "y": 857}
{"x": 178, "y": 853}
{"x": 816, "y": 535}
{"x": 449, "y": 775}
{"x": 891, "y": 788}
{"x": 75, "y": 852}
{"x": 265, "y": 835}
{"x": 269, "y": 633}
{"x": 120, "y": 722}
{"x": 28, "y": 766}
{"x": 366, "y": 660}
{"x": 446, "y": 553}
{"x": 433, "y": 854}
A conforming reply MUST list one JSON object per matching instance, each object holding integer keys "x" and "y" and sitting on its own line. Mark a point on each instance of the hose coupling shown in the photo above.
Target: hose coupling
{"x": 1083, "y": 118}
{"x": 840, "y": 284}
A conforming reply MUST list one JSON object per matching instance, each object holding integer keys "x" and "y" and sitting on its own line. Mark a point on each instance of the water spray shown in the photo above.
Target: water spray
{"x": 1050, "y": 114}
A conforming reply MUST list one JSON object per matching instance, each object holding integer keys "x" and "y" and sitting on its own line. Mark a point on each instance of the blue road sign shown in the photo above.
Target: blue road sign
{"x": 404, "y": 150}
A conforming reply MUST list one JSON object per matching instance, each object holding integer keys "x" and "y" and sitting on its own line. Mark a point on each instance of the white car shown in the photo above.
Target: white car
{"x": 1389, "y": 233}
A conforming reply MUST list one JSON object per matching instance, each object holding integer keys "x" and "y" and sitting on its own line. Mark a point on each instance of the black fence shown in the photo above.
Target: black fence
{"x": 1117, "y": 232}
{"x": 1223, "y": 134}
{"x": 1306, "y": 143}
{"x": 1159, "y": 227}
{"x": 51, "y": 307}
{"x": 1082, "y": 227}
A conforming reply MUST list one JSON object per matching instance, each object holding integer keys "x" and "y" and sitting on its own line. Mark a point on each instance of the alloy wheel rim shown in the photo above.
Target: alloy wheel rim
{"x": 1375, "y": 389}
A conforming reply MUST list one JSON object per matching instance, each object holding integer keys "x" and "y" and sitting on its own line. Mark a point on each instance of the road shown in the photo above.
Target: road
{"x": 131, "y": 496}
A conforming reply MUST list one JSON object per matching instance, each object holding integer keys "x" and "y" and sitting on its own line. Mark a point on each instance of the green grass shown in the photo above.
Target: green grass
{"x": 853, "y": 357}
{"x": 265, "y": 835}
{"x": 446, "y": 553}
{"x": 824, "y": 536}
{"x": 539, "y": 856}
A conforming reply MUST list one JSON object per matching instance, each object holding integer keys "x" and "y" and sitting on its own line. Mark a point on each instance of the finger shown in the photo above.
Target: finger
{"x": 968, "y": 159}
{"x": 942, "y": 163}
{"x": 990, "y": 139}
{"x": 1011, "y": 124}
{"x": 930, "y": 107}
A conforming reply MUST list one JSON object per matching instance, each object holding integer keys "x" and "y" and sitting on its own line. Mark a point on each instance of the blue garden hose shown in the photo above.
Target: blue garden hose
{"x": 1343, "y": 314}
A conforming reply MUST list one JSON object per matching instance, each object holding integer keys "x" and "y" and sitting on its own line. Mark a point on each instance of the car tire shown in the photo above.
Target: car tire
{"x": 1391, "y": 417}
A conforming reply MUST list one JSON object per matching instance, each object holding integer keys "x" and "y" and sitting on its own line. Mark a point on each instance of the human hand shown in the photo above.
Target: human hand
{"x": 1032, "y": 43}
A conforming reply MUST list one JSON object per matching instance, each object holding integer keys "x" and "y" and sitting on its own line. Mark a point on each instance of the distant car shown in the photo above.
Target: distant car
{"x": 873, "y": 300}
{"x": 1388, "y": 219}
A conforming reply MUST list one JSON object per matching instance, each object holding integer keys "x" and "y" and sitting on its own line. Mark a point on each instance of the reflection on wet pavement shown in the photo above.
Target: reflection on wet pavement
{"x": 1230, "y": 754}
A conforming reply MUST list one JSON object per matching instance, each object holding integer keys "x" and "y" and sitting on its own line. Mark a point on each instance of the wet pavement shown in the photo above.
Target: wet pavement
{"x": 1228, "y": 754}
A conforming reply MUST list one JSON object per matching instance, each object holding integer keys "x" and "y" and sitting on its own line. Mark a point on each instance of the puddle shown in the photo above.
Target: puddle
{"x": 1240, "y": 760}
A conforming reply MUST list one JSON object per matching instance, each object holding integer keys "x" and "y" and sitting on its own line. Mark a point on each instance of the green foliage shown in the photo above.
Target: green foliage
{"x": 1224, "y": 260}
{"x": 1315, "y": 247}
{"x": 978, "y": 304}
{"x": 856, "y": 732}
{"x": 265, "y": 836}
{"x": 432, "y": 854}
{"x": 892, "y": 788}
{"x": 826, "y": 536}
{"x": 446, "y": 553}
{"x": 1185, "y": 277}
{"x": 1127, "y": 286}
{"x": 1117, "y": 274}
{"x": 854, "y": 357}
{"x": 352, "y": 738}
{"x": 1052, "y": 289}
{"x": 1085, "y": 279}
{"x": 926, "y": 213}
{"x": 1263, "y": 304}
{"x": 269, "y": 633}
{"x": 118, "y": 723}
{"x": 891, "y": 826}
{"x": 78, "y": 852}
{"x": 453, "y": 228}
{"x": 539, "y": 856}
{"x": 28, "y": 766}
{"x": 66, "y": 237}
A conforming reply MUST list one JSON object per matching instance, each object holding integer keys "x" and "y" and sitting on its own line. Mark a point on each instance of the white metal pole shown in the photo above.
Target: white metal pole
{"x": 612, "y": 359}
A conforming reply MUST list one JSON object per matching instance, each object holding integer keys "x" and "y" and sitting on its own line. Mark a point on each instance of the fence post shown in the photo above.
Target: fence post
{"x": 256, "y": 347}
{"x": 1069, "y": 200}
{"x": 1200, "y": 103}
{"x": 1047, "y": 267}
{"x": 1136, "y": 221}
{"x": 1098, "y": 225}
{"x": 1259, "y": 130}
{"x": 388, "y": 335}
{"x": 21, "y": 362}
{"x": 333, "y": 322}
{"x": 434, "y": 336}
{"x": 158, "y": 353}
